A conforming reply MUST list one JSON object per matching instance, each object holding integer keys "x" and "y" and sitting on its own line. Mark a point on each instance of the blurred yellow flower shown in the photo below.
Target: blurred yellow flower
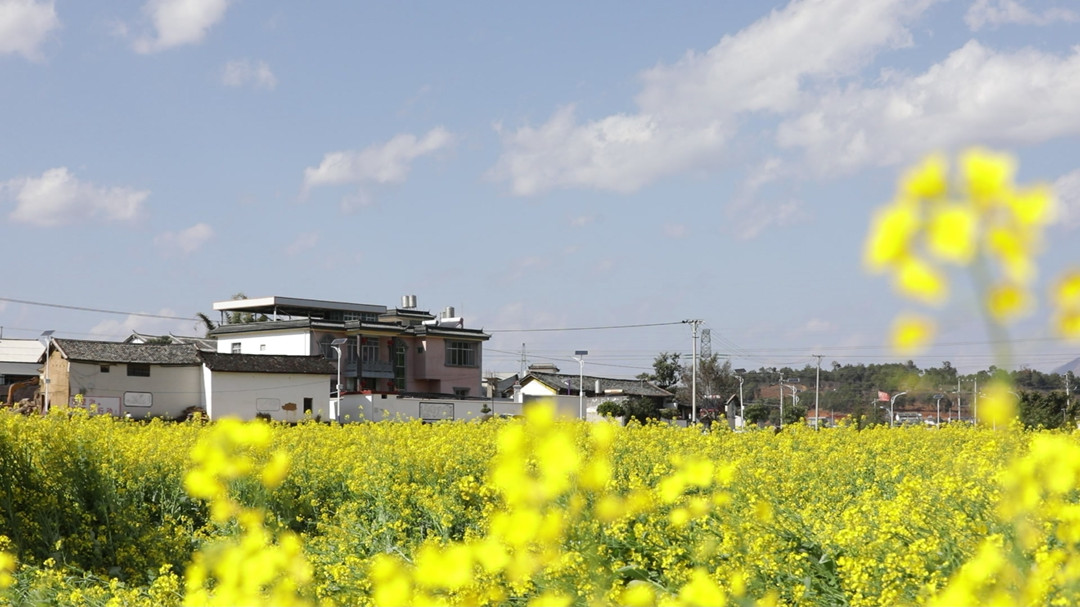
{"x": 951, "y": 233}
{"x": 1008, "y": 301}
{"x": 911, "y": 334}
{"x": 998, "y": 405}
{"x": 921, "y": 281}
{"x": 1033, "y": 206}
{"x": 890, "y": 235}
{"x": 1067, "y": 290}
{"x": 927, "y": 180}
{"x": 987, "y": 175}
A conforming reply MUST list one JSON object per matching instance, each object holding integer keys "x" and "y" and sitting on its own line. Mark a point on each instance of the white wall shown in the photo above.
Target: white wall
{"x": 536, "y": 388}
{"x": 171, "y": 389}
{"x": 373, "y": 407}
{"x": 296, "y": 344}
{"x": 244, "y": 395}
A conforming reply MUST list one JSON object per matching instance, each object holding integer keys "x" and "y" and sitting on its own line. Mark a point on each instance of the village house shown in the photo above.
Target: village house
{"x": 146, "y": 380}
{"x": 382, "y": 350}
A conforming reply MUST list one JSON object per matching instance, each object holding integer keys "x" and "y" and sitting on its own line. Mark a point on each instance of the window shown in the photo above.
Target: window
{"x": 308, "y": 402}
{"x": 399, "y": 365}
{"x": 461, "y": 392}
{"x": 104, "y": 368}
{"x": 235, "y": 347}
{"x": 138, "y": 370}
{"x": 262, "y": 347}
{"x": 369, "y": 349}
{"x": 461, "y": 353}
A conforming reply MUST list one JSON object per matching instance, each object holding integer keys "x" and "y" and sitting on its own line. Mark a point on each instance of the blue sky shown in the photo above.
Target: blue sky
{"x": 541, "y": 167}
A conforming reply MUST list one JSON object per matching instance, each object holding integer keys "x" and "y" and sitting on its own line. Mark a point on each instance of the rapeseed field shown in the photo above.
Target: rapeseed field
{"x": 96, "y": 510}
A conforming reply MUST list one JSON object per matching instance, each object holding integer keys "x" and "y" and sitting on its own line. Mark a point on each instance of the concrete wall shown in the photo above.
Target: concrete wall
{"x": 166, "y": 393}
{"x": 378, "y": 407}
{"x": 281, "y": 396}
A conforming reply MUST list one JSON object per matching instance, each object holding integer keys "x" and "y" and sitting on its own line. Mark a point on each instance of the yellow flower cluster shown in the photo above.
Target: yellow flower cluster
{"x": 1066, "y": 294}
{"x": 1038, "y": 561}
{"x": 977, "y": 218}
{"x": 257, "y": 567}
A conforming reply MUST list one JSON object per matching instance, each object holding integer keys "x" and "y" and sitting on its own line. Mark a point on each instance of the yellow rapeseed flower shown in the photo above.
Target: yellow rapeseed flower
{"x": 987, "y": 175}
{"x": 928, "y": 180}
{"x": 911, "y": 334}
{"x": 1067, "y": 290}
{"x": 951, "y": 233}
{"x": 1008, "y": 301}
{"x": 998, "y": 406}
{"x": 1033, "y": 206}
{"x": 889, "y": 240}
{"x": 921, "y": 281}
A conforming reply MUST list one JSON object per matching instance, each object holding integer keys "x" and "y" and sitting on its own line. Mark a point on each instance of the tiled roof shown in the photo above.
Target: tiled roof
{"x": 120, "y": 352}
{"x": 629, "y": 387}
{"x": 268, "y": 363}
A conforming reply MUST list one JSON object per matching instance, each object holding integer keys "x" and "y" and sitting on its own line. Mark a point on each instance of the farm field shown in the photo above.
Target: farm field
{"x": 103, "y": 511}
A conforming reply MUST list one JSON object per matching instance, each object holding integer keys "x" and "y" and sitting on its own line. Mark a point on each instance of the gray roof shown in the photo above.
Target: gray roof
{"x": 268, "y": 363}
{"x": 628, "y": 387}
{"x": 206, "y": 344}
{"x": 120, "y": 352}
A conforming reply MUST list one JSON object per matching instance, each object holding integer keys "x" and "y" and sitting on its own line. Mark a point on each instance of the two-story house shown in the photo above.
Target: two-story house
{"x": 385, "y": 350}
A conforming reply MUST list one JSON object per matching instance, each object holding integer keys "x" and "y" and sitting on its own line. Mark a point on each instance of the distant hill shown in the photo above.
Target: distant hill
{"x": 1073, "y": 366}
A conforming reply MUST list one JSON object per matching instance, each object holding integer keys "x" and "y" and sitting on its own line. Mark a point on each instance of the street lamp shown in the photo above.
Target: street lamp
{"x": 46, "y": 340}
{"x": 579, "y": 356}
{"x": 793, "y": 380}
{"x": 742, "y": 407}
{"x": 892, "y": 402}
{"x": 336, "y": 345}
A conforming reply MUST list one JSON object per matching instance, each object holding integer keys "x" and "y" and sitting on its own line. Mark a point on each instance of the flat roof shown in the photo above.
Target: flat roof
{"x": 293, "y": 306}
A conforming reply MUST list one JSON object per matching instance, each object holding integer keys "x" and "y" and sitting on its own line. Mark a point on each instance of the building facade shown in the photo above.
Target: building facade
{"x": 382, "y": 350}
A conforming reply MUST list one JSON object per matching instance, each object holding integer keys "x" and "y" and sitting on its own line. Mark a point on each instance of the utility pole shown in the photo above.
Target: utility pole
{"x": 1065, "y": 414}
{"x": 693, "y": 377}
{"x": 817, "y": 392}
{"x": 781, "y": 400}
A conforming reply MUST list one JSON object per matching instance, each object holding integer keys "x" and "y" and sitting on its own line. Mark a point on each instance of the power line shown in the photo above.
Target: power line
{"x": 638, "y": 326}
{"x": 84, "y": 309}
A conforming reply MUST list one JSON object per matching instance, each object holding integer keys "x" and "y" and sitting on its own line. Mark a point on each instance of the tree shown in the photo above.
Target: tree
{"x": 713, "y": 377}
{"x": 666, "y": 371}
{"x": 232, "y": 318}
{"x": 1042, "y": 409}
{"x": 642, "y": 409}
{"x": 610, "y": 408}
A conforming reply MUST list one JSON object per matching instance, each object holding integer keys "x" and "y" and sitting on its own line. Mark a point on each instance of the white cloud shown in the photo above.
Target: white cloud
{"x": 24, "y": 26}
{"x": 688, "y": 111}
{"x": 303, "y": 242}
{"x": 244, "y": 72}
{"x": 58, "y": 198}
{"x": 179, "y": 22}
{"x": 1067, "y": 189}
{"x": 974, "y": 95}
{"x": 375, "y": 164}
{"x": 992, "y": 13}
{"x": 186, "y": 241}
